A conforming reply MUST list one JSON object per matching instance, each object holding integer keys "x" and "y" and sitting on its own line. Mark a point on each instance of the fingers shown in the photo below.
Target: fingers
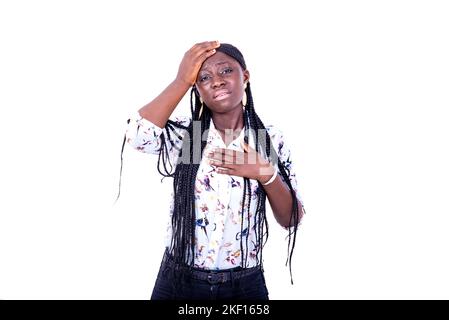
{"x": 223, "y": 156}
{"x": 205, "y": 46}
{"x": 222, "y": 161}
{"x": 207, "y": 54}
{"x": 228, "y": 156}
{"x": 204, "y": 50}
{"x": 221, "y": 167}
{"x": 224, "y": 170}
{"x": 226, "y": 166}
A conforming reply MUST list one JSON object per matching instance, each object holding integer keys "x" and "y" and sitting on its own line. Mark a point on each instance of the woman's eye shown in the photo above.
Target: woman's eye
{"x": 204, "y": 78}
{"x": 227, "y": 70}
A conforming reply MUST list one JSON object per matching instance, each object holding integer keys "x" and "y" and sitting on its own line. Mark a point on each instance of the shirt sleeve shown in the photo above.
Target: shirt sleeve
{"x": 145, "y": 136}
{"x": 285, "y": 157}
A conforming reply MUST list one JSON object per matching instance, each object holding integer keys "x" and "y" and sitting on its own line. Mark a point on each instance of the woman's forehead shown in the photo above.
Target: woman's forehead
{"x": 217, "y": 59}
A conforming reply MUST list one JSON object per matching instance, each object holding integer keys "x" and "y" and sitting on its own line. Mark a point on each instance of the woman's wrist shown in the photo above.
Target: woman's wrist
{"x": 182, "y": 83}
{"x": 268, "y": 176}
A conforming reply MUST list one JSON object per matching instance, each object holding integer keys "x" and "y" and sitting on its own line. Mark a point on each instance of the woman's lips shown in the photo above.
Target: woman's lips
{"x": 220, "y": 95}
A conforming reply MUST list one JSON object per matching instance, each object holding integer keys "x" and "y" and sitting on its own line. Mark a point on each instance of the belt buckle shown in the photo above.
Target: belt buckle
{"x": 214, "y": 278}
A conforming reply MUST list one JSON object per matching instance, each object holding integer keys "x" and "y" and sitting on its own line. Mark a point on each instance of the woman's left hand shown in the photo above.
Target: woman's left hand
{"x": 248, "y": 164}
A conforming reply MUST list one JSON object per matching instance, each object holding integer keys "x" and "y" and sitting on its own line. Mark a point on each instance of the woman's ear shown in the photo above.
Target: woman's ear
{"x": 245, "y": 76}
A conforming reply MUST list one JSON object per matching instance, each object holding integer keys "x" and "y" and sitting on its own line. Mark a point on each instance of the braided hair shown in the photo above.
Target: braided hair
{"x": 183, "y": 220}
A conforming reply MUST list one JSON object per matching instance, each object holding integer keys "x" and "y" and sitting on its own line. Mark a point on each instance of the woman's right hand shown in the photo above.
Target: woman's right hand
{"x": 193, "y": 59}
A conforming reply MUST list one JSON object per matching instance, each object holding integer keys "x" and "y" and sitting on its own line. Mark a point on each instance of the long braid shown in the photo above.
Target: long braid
{"x": 246, "y": 187}
{"x": 183, "y": 212}
{"x": 184, "y": 218}
{"x": 260, "y": 214}
{"x": 258, "y": 125}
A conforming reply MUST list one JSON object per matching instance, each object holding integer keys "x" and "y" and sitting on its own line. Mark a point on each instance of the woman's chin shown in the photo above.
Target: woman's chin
{"x": 221, "y": 108}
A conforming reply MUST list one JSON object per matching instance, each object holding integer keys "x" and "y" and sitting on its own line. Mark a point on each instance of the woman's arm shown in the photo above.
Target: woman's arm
{"x": 159, "y": 110}
{"x": 280, "y": 200}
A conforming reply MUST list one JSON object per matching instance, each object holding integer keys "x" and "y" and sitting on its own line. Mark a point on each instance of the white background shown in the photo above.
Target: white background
{"x": 360, "y": 89}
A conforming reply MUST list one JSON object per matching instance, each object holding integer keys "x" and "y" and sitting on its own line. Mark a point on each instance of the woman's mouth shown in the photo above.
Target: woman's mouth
{"x": 221, "y": 94}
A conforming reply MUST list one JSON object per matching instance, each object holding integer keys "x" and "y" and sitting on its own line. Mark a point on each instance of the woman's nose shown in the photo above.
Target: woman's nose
{"x": 217, "y": 82}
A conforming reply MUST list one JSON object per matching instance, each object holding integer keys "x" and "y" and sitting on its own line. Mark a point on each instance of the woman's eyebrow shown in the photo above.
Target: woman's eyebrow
{"x": 217, "y": 64}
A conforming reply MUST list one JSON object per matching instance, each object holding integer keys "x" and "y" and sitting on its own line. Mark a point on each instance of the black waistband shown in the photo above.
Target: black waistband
{"x": 211, "y": 276}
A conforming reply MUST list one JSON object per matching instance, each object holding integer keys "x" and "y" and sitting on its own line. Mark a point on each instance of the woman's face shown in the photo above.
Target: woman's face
{"x": 220, "y": 83}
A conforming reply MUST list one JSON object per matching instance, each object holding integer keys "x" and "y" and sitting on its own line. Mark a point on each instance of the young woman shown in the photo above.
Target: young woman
{"x": 224, "y": 163}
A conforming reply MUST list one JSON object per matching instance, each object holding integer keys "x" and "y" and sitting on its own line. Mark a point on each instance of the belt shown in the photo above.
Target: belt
{"x": 211, "y": 276}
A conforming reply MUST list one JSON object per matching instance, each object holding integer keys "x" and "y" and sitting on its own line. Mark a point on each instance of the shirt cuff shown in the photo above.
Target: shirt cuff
{"x": 145, "y": 124}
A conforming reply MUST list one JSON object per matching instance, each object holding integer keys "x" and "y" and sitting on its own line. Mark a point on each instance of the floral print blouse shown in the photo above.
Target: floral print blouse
{"x": 218, "y": 196}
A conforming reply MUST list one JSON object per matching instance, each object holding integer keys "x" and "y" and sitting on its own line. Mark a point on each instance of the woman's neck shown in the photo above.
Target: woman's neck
{"x": 228, "y": 121}
{"x": 229, "y": 125}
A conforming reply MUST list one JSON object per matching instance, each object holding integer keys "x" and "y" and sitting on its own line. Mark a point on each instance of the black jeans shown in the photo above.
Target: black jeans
{"x": 177, "y": 283}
